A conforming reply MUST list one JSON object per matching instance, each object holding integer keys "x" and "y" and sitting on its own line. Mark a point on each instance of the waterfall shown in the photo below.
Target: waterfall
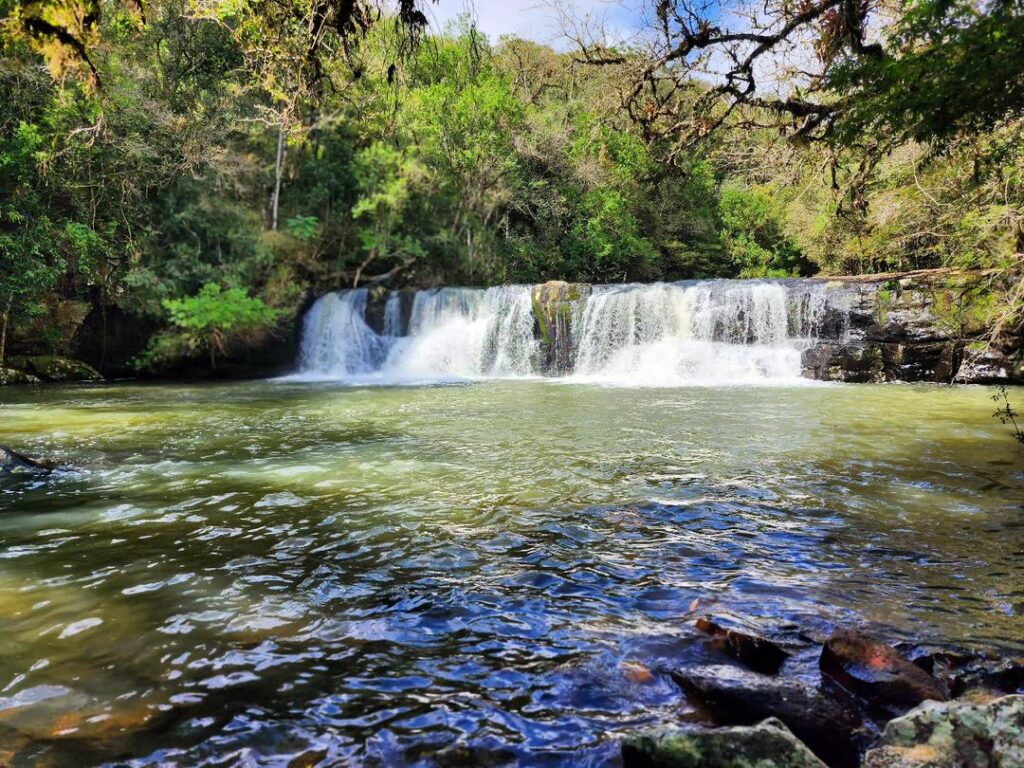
{"x": 453, "y": 333}
{"x": 720, "y": 331}
{"x": 665, "y": 334}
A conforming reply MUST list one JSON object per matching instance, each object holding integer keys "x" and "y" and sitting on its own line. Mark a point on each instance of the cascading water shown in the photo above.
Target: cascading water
{"x": 721, "y": 331}
{"x": 453, "y": 333}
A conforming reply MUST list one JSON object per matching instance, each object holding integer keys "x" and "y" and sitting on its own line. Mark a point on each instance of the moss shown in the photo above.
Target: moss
{"x": 883, "y": 305}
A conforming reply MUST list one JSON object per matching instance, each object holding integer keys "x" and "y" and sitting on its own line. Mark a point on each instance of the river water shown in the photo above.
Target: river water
{"x": 246, "y": 574}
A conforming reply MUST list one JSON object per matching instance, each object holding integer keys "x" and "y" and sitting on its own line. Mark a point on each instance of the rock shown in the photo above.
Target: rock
{"x": 876, "y": 671}
{"x": 1003, "y": 676}
{"x": 57, "y": 369}
{"x": 767, "y": 745}
{"x": 14, "y": 376}
{"x": 983, "y": 364}
{"x": 954, "y": 735}
{"x": 732, "y": 696}
{"x": 12, "y": 462}
{"x": 757, "y": 653}
{"x": 553, "y": 304}
{"x": 844, "y": 361}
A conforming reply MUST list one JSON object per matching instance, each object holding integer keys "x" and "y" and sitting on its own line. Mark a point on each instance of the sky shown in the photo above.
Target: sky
{"x": 533, "y": 19}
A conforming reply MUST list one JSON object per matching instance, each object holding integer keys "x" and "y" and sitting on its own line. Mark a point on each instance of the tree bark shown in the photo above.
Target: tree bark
{"x": 278, "y": 172}
{"x": 4, "y": 317}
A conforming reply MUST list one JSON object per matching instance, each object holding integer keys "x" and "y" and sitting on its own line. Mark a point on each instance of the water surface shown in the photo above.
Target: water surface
{"x": 245, "y": 574}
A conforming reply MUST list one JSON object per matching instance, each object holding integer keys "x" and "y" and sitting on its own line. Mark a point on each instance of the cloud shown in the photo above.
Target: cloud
{"x": 532, "y": 19}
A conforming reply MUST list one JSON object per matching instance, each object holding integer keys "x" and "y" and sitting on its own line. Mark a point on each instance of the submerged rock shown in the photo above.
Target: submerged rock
{"x": 12, "y": 462}
{"x": 56, "y": 369}
{"x": 876, "y": 671}
{"x": 954, "y": 735}
{"x": 731, "y": 696}
{"x": 767, "y": 745}
{"x": 757, "y": 653}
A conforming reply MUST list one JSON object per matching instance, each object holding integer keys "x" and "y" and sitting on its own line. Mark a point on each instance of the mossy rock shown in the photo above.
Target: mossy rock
{"x": 954, "y": 735}
{"x": 767, "y": 745}
{"x": 53, "y": 368}
{"x": 14, "y": 376}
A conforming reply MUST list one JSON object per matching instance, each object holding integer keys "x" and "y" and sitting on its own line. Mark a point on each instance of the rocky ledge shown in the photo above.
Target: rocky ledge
{"x": 930, "y": 325}
{"x": 39, "y": 368}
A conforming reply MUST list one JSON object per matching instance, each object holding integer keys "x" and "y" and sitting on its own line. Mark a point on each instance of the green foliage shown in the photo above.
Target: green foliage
{"x": 754, "y": 235}
{"x": 210, "y": 321}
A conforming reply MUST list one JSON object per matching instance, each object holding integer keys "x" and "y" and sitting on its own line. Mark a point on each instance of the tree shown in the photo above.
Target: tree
{"x": 210, "y": 321}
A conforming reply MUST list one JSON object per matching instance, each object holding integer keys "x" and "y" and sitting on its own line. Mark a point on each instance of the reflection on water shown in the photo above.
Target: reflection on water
{"x": 413, "y": 576}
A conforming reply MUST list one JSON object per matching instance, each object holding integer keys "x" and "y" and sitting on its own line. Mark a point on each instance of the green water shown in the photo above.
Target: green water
{"x": 259, "y": 571}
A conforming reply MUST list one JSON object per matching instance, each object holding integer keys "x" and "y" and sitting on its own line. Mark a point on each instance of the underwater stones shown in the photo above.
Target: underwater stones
{"x": 954, "y": 735}
{"x": 766, "y": 745}
{"x": 876, "y": 671}
{"x": 757, "y": 653}
{"x": 732, "y": 696}
{"x": 12, "y": 462}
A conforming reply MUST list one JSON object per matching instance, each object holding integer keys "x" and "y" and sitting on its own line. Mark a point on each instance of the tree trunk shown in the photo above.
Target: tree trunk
{"x": 4, "y": 317}
{"x": 278, "y": 171}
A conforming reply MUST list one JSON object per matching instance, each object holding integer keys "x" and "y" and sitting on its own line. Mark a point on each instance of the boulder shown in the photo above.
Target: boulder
{"x": 983, "y": 364}
{"x": 14, "y": 376}
{"x": 877, "y": 672}
{"x": 12, "y": 463}
{"x": 766, "y": 745}
{"x": 955, "y": 734}
{"x": 732, "y": 696}
{"x": 751, "y": 650}
{"x": 58, "y": 369}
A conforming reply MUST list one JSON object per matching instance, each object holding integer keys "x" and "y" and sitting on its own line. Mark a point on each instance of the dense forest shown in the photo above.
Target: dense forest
{"x": 199, "y": 170}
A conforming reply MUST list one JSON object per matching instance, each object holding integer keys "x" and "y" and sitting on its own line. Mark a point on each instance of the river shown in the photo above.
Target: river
{"x": 246, "y": 574}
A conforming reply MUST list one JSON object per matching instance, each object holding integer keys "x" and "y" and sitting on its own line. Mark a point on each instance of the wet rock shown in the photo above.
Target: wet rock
{"x": 998, "y": 675}
{"x": 769, "y": 743}
{"x": 12, "y": 462}
{"x": 876, "y": 671}
{"x": 14, "y": 376}
{"x": 850, "y": 362}
{"x": 56, "y": 369}
{"x": 553, "y": 309}
{"x": 983, "y": 364}
{"x": 954, "y": 735}
{"x": 731, "y": 696}
{"x": 757, "y": 653}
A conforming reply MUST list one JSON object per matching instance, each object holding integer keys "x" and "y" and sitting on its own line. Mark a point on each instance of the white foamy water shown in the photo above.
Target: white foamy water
{"x": 711, "y": 332}
{"x": 700, "y": 333}
{"x": 454, "y": 333}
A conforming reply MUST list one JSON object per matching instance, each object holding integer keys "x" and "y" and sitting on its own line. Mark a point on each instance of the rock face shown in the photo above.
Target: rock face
{"x": 767, "y": 745}
{"x": 917, "y": 326}
{"x": 734, "y": 697}
{"x": 554, "y": 307}
{"x": 954, "y": 735}
{"x": 876, "y": 672}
